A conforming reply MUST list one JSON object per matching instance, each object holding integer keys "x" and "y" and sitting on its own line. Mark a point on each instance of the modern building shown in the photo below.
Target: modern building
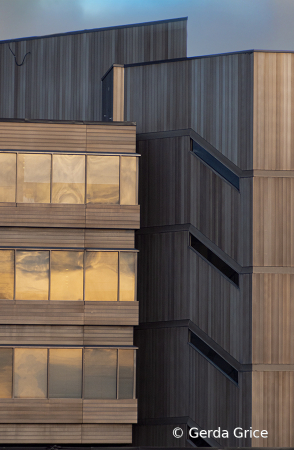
{"x": 215, "y": 261}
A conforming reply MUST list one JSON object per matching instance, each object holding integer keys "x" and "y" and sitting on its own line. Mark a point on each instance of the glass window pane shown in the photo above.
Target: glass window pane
{"x": 127, "y": 276}
{"x": 68, "y": 179}
{"x": 128, "y": 181}
{"x": 65, "y": 373}
{"x": 32, "y": 275}
{"x": 6, "y": 274}
{"x": 33, "y": 178}
{"x": 101, "y": 281}
{"x": 66, "y": 275}
{"x": 100, "y": 373}
{"x": 126, "y": 373}
{"x": 5, "y": 372}
{"x": 103, "y": 179}
{"x": 30, "y": 373}
{"x": 7, "y": 177}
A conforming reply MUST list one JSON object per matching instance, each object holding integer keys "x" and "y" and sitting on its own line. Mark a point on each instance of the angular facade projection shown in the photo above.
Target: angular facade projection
{"x": 214, "y": 250}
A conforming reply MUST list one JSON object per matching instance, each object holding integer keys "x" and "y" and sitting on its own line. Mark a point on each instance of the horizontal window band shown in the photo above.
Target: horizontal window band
{"x": 215, "y": 260}
{"x": 215, "y": 164}
{"x": 213, "y": 357}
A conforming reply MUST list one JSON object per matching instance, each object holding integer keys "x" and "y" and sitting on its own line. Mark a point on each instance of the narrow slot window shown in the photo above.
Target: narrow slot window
{"x": 7, "y": 177}
{"x": 5, "y": 372}
{"x": 215, "y": 164}
{"x": 217, "y": 262}
{"x": 213, "y": 357}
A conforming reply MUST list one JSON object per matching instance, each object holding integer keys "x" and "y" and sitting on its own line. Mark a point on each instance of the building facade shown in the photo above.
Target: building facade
{"x": 215, "y": 264}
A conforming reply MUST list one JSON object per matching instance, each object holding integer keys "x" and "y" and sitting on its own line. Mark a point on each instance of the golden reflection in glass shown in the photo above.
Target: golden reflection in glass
{"x": 32, "y": 275}
{"x": 7, "y": 177}
{"x": 30, "y": 373}
{"x": 68, "y": 179}
{"x": 66, "y": 275}
{"x": 126, "y": 373}
{"x": 65, "y": 373}
{"x": 6, "y": 274}
{"x": 127, "y": 276}
{"x": 5, "y": 372}
{"x": 128, "y": 181}
{"x": 33, "y": 178}
{"x": 101, "y": 276}
{"x": 100, "y": 373}
{"x": 103, "y": 179}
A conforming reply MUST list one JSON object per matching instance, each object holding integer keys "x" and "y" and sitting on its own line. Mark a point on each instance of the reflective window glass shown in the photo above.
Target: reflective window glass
{"x": 103, "y": 179}
{"x": 127, "y": 271}
{"x": 128, "y": 181}
{"x": 66, "y": 275}
{"x": 65, "y": 373}
{"x": 126, "y": 373}
{"x": 101, "y": 274}
{"x": 5, "y": 372}
{"x": 100, "y": 373}
{"x": 33, "y": 178}
{"x": 32, "y": 275}
{"x": 6, "y": 274}
{"x": 30, "y": 373}
{"x": 68, "y": 179}
{"x": 7, "y": 177}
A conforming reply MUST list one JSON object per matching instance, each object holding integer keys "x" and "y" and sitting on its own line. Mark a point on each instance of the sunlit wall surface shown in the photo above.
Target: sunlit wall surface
{"x": 68, "y": 179}
{"x": 68, "y": 275}
{"x": 90, "y": 373}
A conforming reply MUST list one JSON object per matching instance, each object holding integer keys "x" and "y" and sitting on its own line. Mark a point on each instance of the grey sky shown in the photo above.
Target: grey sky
{"x": 214, "y": 26}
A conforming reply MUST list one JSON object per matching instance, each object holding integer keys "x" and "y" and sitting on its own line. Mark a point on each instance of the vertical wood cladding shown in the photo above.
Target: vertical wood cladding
{"x": 211, "y": 95}
{"x": 60, "y": 78}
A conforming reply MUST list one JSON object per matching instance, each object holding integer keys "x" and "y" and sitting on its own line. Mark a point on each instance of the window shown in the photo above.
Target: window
{"x": 217, "y": 262}
{"x": 105, "y": 276}
{"x": 68, "y": 179}
{"x": 215, "y": 164}
{"x": 90, "y": 373}
{"x": 213, "y": 357}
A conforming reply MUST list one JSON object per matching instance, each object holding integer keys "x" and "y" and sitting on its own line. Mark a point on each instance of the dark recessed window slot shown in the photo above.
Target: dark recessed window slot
{"x": 215, "y": 164}
{"x": 214, "y": 357}
{"x": 214, "y": 260}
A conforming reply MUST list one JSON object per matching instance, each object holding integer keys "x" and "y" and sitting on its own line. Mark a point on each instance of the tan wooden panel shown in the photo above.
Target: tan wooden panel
{"x": 273, "y": 111}
{"x": 42, "y": 237}
{"x": 109, "y": 238}
{"x": 41, "y": 410}
{"x": 109, "y": 216}
{"x": 110, "y": 411}
{"x": 71, "y": 65}
{"x": 111, "y": 138}
{"x": 111, "y": 335}
{"x": 65, "y": 434}
{"x": 273, "y": 407}
{"x": 117, "y": 313}
{"x": 41, "y": 335}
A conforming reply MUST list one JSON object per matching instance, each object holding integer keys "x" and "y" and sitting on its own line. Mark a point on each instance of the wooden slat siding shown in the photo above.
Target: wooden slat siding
{"x": 110, "y": 411}
{"x": 273, "y": 318}
{"x": 107, "y": 313}
{"x": 182, "y": 285}
{"x": 273, "y": 111}
{"x": 70, "y": 216}
{"x": 273, "y": 221}
{"x": 30, "y": 312}
{"x": 213, "y": 97}
{"x": 66, "y": 238}
{"x": 41, "y": 335}
{"x": 58, "y": 67}
{"x": 118, "y": 93}
{"x": 106, "y": 434}
{"x": 109, "y": 238}
{"x": 110, "y": 216}
{"x": 191, "y": 192}
{"x": 273, "y": 407}
{"x": 110, "y": 335}
{"x": 52, "y": 410}
{"x": 173, "y": 389}
{"x": 120, "y": 139}
{"x": 65, "y": 434}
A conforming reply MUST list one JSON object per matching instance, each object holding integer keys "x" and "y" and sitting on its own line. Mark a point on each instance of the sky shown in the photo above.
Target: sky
{"x": 214, "y": 26}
